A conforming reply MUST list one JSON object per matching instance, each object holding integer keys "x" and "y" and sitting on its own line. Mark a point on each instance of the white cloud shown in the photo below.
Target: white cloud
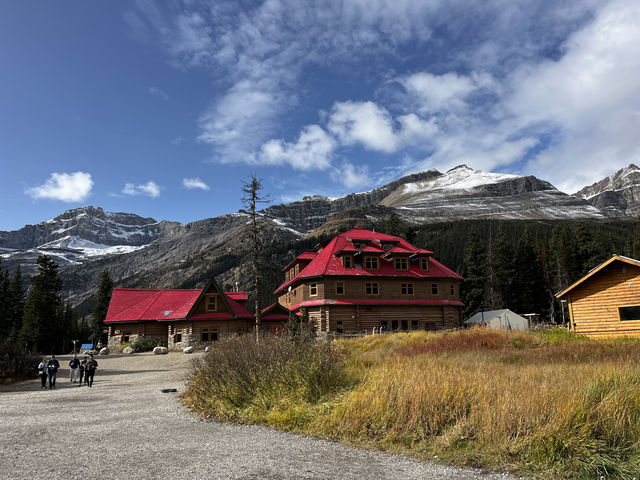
{"x": 312, "y": 150}
{"x": 156, "y": 92}
{"x": 352, "y": 176}
{"x": 437, "y": 92}
{"x": 150, "y": 189}
{"x": 364, "y": 123}
{"x": 192, "y": 183}
{"x": 591, "y": 95}
{"x": 67, "y": 187}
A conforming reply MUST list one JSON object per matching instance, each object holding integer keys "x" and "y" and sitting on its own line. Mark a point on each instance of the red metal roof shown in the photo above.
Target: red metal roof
{"x": 326, "y": 262}
{"x": 275, "y": 311}
{"x": 237, "y": 296}
{"x": 136, "y": 304}
{"x": 162, "y": 304}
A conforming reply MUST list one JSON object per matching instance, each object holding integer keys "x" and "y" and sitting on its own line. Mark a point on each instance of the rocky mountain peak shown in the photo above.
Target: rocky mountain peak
{"x": 618, "y": 194}
{"x": 624, "y": 178}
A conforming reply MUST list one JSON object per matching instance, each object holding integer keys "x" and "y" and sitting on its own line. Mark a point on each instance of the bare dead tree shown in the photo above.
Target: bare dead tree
{"x": 251, "y": 198}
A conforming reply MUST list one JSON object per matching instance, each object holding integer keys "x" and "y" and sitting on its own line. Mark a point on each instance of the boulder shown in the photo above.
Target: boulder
{"x": 187, "y": 350}
{"x": 160, "y": 350}
{"x": 105, "y": 351}
{"x": 128, "y": 350}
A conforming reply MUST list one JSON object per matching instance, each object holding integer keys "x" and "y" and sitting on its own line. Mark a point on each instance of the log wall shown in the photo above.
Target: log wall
{"x": 594, "y": 304}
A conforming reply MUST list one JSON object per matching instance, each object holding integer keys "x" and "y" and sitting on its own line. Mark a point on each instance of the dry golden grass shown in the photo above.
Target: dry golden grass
{"x": 548, "y": 404}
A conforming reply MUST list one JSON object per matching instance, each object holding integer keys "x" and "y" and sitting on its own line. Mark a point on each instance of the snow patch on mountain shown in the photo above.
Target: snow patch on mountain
{"x": 458, "y": 178}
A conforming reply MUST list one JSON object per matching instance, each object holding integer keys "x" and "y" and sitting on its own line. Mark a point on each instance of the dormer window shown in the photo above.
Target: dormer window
{"x": 211, "y": 303}
{"x": 313, "y": 289}
{"x": 358, "y": 245}
{"x": 424, "y": 263}
{"x": 347, "y": 261}
{"x": 371, "y": 263}
{"x": 401, "y": 263}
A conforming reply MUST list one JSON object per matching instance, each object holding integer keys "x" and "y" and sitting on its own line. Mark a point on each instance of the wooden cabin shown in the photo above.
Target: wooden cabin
{"x": 362, "y": 280}
{"x": 606, "y": 301}
{"x": 177, "y": 318}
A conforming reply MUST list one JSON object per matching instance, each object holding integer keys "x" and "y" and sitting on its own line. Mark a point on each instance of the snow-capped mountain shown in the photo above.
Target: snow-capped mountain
{"x": 79, "y": 234}
{"x": 618, "y": 194}
{"x": 465, "y": 193}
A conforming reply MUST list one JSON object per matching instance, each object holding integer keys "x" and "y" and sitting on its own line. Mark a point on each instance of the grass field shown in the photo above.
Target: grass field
{"x": 547, "y": 405}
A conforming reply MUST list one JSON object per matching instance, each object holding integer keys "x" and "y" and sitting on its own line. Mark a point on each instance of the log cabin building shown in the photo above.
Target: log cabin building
{"x": 361, "y": 280}
{"x": 176, "y": 318}
{"x": 606, "y": 301}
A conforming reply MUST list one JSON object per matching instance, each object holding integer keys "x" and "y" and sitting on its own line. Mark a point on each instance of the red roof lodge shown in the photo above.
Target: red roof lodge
{"x": 176, "y": 317}
{"x": 362, "y": 280}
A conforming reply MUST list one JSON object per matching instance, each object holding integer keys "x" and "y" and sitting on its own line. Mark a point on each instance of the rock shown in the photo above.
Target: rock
{"x": 105, "y": 351}
{"x": 128, "y": 350}
{"x": 160, "y": 350}
{"x": 187, "y": 350}
{"x": 168, "y": 390}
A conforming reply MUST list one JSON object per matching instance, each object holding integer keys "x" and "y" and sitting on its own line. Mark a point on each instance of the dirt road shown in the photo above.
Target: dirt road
{"x": 124, "y": 427}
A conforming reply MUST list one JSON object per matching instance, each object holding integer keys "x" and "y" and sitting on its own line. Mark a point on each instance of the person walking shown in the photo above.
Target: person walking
{"x": 83, "y": 364}
{"x": 90, "y": 370}
{"x": 42, "y": 371}
{"x": 74, "y": 366}
{"x": 52, "y": 370}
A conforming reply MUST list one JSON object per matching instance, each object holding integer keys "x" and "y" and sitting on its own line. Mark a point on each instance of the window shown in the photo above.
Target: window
{"x": 629, "y": 313}
{"x": 452, "y": 289}
{"x": 407, "y": 289}
{"x": 177, "y": 338}
{"x": 204, "y": 335}
{"x": 424, "y": 263}
{"x": 313, "y": 289}
{"x": 125, "y": 338}
{"x": 358, "y": 245}
{"x": 405, "y": 325}
{"x": 394, "y": 325}
{"x": 214, "y": 335}
{"x": 414, "y": 324}
{"x": 346, "y": 261}
{"x": 339, "y": 326}
{"x": 371, "y": 263}
{"x": 384, "y": 326}
{"x": 211, "y": 303}
{"x": 434, "y": 289}
{"x": 339, "y": 288}
{"x": 401, "y": 264}
{"x": 371, "y": 288}
{"x": 430, "y": 326}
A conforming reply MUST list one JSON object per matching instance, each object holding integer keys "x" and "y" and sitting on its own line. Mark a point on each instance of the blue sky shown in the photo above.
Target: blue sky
{"x": 163, "y": 108}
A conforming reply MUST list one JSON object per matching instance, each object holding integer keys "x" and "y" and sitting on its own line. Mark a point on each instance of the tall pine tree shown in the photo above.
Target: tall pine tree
{"x": 5, "y": 322}
{"x": 475, "y": 275}
{"x": 101, "y": 306}
{"x": 529, "y": 287}
{"x": 504, "y": 268}
{"x": 16, "y": 296}
{"x": 42, "y": 308}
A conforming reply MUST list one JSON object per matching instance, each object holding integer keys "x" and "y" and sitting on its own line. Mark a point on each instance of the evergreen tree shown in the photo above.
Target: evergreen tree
{"x": 252, "y": 197}
{"x": 42, "y": 308}
{"x": 5, "y": 321}
{"x": 504, "y": 268}
{"x": 101, "y": 306}
{"x": 475, "y": 275}
{"x": 16, "y": 296}
{"x": 635, "y": 241}
{"x": 394, "y": 225}
{"x": 529, "y": 286}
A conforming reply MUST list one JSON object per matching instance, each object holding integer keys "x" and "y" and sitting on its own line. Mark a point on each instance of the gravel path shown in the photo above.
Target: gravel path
{"x": 124, "y": 427}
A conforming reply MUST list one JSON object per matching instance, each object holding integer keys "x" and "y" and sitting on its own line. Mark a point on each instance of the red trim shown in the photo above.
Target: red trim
{"x": 323, "y": 302}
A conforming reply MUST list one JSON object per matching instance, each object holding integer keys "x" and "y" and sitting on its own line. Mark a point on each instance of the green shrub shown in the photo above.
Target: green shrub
{"x": 243, "y": 378}
{"x": 16, "y": 363}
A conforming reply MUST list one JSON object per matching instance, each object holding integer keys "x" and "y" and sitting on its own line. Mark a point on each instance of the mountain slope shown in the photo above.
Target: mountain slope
{"x": 616, "y": 195}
